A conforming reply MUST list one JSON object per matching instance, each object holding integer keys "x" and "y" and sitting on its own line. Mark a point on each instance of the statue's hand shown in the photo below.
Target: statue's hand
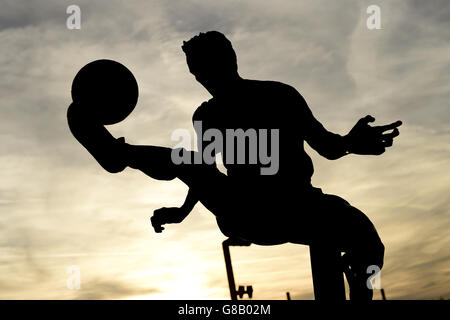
{"x": 364, "y": 139}
{"x": 107, "y": 150}
{"x": 167, "y": 215}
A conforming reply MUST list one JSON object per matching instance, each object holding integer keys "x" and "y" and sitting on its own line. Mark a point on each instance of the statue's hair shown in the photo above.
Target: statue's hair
{"x": 211, "y": 45}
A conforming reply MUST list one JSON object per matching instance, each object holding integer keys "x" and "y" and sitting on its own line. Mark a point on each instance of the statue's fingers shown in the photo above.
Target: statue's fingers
{"x": 387, "y": 127}
{"x": 156, "y": 221}
{"x": 156, "y": 225}
{"x": 388, "y": 138}
{"x": 379, "y": 148}
{"x": 390, "y": 135}
{"x": 366, "y": 120}
{"x": 395, "y": 133}
{"x": 388, "y": 141}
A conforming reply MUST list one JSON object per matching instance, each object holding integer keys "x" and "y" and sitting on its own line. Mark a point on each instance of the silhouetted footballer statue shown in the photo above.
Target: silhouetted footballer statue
{"x": 262, "y": 209}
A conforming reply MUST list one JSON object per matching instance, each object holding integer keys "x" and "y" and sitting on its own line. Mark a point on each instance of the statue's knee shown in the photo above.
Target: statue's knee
{"x": 111, "y": 156}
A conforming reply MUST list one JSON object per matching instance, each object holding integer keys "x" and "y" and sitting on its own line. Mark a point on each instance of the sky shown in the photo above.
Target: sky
{"x": 60, "y": 210}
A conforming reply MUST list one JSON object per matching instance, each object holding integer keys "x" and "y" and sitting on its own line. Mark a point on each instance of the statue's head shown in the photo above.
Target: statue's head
{"x": 211, "y": 59}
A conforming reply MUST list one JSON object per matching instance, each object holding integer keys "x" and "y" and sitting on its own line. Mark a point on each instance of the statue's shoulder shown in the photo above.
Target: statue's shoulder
{"x": 203, "y": 111}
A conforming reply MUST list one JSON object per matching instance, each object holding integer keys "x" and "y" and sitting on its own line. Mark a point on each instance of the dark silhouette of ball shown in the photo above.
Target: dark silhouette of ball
{"x": 106, "y": 89}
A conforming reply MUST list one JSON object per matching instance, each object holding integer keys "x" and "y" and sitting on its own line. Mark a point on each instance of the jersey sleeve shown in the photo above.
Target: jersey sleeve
{"x": 328, "y": 144}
